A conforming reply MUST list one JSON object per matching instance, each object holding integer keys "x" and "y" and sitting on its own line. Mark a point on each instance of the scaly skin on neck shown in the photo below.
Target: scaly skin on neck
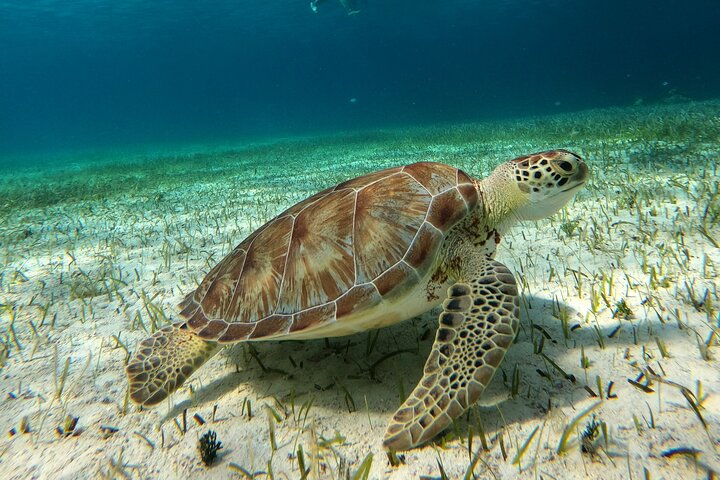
{"x": 501, "y": 200}
{"x": 495, "y": 214}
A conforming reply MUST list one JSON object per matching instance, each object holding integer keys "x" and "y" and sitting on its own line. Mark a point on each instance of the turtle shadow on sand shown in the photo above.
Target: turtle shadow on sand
{"x": 371, "y": 367}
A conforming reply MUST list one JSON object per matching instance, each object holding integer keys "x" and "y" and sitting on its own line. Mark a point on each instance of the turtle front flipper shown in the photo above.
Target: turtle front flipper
{"x": 477, "y": 326}
{"x": 162, "y": 363}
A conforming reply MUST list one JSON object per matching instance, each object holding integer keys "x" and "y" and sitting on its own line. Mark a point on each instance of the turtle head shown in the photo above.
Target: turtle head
{"x": 536, "y": 186}
{"x": 547, "y": 181}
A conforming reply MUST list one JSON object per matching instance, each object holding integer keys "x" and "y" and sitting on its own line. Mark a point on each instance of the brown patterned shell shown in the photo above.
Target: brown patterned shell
{"x": 341, "y": 251}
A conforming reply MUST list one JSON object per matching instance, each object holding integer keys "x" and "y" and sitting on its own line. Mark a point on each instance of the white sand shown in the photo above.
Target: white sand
{"x": 156, "y": 243}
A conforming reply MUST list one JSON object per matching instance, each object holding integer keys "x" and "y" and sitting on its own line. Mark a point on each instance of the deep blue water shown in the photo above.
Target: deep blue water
{"x": 84, "y": 74}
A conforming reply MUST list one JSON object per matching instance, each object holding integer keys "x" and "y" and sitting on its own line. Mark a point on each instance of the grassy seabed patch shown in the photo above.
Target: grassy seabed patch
{"x": 614, "y": 374}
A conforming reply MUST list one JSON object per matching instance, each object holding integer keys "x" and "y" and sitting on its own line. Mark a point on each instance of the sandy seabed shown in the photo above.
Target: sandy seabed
{"x": 614, "y": 373}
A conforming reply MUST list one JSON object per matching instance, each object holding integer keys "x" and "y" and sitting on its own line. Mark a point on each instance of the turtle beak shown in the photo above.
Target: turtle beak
{"x": 583, "y": 174}
{"x": 579, "y": 178}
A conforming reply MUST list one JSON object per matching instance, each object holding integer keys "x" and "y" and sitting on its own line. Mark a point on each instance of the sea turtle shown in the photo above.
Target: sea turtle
{"x": 368, "y": 253}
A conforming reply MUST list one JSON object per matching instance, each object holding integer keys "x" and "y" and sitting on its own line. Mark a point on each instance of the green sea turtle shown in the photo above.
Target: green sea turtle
{"x": 368, "y": 253}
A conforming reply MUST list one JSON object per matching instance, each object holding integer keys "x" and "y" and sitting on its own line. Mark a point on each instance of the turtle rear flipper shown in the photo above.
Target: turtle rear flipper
{"x": 477, "y": 326}
{"x": 164, "y": 361}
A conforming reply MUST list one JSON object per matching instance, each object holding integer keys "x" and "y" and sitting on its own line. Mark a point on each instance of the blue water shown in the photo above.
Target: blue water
{"x": 87, "y": 74}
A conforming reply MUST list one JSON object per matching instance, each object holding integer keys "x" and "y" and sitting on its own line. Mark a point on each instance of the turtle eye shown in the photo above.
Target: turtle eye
{"x": 565, "y": 166}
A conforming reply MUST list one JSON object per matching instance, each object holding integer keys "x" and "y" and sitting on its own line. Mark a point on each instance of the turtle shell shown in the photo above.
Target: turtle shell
{"x": 342, "y": 251}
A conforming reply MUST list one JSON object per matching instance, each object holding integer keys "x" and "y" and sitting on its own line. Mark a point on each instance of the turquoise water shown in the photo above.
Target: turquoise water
{"x": 89, "y": 75}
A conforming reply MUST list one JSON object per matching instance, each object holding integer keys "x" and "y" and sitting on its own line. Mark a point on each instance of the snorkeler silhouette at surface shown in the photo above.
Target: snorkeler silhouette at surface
{"x": 350, "y": 6}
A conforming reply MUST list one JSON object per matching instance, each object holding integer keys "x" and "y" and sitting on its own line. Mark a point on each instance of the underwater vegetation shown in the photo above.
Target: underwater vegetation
{"x": 208, "y": 446}
{"x": 613, "y": 374}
